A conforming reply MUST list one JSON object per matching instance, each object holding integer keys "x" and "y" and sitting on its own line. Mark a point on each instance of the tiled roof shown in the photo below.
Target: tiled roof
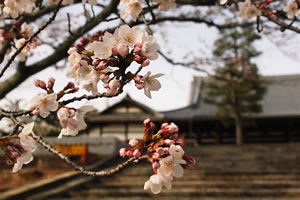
{"x": 281, "y": 99}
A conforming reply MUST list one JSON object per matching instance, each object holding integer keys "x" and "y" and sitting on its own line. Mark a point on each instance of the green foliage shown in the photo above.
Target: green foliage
{"x": 236, "y": 87}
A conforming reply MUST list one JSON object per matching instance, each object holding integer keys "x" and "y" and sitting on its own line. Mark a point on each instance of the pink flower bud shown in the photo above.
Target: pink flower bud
{"x": 114, "y": 51}
{"x": 105, "y": 85}
{"x": 137, "y": 153}
{"x": 102, "y": 65}
{"x": 169, "y": 142}
{"x": 79, "y": 48}
{"x": 160, "y": 150}
{"x": 36, "y": 111}
{"x": 137, "y": 48}
{"x": 95, "y": 36}
{"x": 190, "y": 161}
{"x": 123, "y": 49}
{"x": 70, "y": 85}
{"x": 137, "y": 58}
{"x": 51, "y": 82}
{"x": 139, "y": 85}
{"x": 96, "y": 61}
{"x": 155, "y": 165}
{"x": 155, "y": 155}
{"x": 122, "y": 152}
{"x": 42, "y": 85}
{"x": 146, "y": 63}
{"x": 129, "y": 153}
{"x": 137, "y": 78}
{"x": 84, "y": 41}
{"x": 166, "y": 150}
{"x": 36, "y": 83}
{"x": 133, "y": 142}
{"x": 147, "y": 122}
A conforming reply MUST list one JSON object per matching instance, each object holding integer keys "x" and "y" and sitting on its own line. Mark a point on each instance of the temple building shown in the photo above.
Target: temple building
{"x": 279, "y": 121}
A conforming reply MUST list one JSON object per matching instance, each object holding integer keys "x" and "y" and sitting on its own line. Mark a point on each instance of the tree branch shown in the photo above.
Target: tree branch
{"x": 60, "y": 53}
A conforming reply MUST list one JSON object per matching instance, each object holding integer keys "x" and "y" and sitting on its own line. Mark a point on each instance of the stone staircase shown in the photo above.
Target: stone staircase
{"x": 224, "y": 172}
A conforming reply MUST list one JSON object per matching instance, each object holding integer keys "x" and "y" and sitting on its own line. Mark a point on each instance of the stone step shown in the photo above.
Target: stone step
{"x": 229, "y": 178}
{"x": 198, "y": 183}
{"x": 170, "y": 198}
{"x": 187, "y": 192}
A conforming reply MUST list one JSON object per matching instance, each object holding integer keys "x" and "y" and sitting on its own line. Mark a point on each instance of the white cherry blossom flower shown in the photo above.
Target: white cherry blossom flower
{"x": 28, "y": 145}
{"x": 130, "y": 36}
{"x": 43, "y": 104}
{"x": 72, "y": 121}
{"x": 176, "y": 151}
{"x": 151, "y": 83}
{"x": 165, "y": 5}
{"x": 131, "y": 8}
{"x": 247, "y": 10}
{"x": 291, "y": 10}
{"x": 170, "y": 167}
{"x": 150, "y": 48}
{"x": 14, "y": 8}
{"x": 91, "y": 82}
{"x": 102, "y": 50}
{"x": 80, "y": 115}
{"x": 155, "y": 184}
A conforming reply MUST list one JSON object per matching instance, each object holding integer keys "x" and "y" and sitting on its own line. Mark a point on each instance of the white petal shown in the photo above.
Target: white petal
{"x": 147, "y": 185}
{"x": 28, "y": 128}
{"x": 178, "y": 171}
{"x": 44, "y": 112}
{"x": 52, "y": 105}
{"x": 155, "y": 188}
{"x": 17, "y": 167}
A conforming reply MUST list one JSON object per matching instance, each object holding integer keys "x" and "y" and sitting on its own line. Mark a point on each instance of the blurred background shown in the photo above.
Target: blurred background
{"x": 233, "y": 92}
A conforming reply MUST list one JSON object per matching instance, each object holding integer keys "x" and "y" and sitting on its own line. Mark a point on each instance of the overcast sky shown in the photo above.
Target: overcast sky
{"x": 177, "y": 40}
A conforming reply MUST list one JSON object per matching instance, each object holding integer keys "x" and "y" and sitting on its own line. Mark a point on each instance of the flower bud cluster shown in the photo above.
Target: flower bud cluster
{"x": 107, "y": 57}
{"x": 21, "y": 35}
{"x": 19, "y": 152}
{"x": 164, "y": 152}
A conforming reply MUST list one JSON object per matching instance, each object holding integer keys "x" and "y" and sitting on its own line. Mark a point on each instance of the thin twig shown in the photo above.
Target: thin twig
{"x": 51, "y": 19}
{"x": 81, "y": 169}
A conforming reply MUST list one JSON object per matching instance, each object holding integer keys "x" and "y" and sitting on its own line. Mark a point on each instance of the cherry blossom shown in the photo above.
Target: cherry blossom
{"x": 291, "y": 10}
{"x": 130, "y": 36}
{"x": 72, "y": 121}
{"x": 151, "y": 83}
{"x": 102, "y": 50}
{"x": 165, "y": 5}
{"x": 150, "y": 48}
{"x": 14, "y": 8}
{"x": 131, "y": 8}
{"x": 155, "y": 184}
{"x": 28, "y": 145}
{"x": 247, "y": 10}
{"x": 43, "y": 104}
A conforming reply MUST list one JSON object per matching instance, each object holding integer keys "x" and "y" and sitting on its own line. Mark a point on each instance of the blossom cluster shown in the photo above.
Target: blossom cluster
{"x": 70, "y": 119}
{"x": 19, "y": 153}
{"x": 23, "y": 33}
{"x": 134, "y": 8}
{"x": 252, "y": 11}
{"x": 15, "y": 8}
{"x": 164, "y": 151}
{"x": 106, "y": 58}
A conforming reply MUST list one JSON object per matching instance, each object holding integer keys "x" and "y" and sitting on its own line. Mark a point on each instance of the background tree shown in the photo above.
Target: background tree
{"x": 236, "y": 88}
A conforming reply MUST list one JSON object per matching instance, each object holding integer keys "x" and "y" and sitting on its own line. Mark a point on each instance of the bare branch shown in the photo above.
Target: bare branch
{"x": 51, "y": 19}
